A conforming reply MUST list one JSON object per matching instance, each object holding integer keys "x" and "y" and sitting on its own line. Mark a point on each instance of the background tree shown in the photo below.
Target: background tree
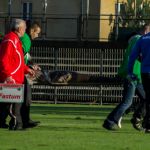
{"x": 134, "y": 13}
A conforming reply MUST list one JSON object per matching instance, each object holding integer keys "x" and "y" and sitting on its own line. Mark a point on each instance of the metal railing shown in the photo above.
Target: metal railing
{"x": 54, "y": 26}
{"x": 76, "y": 27}
{"x": 94, "y": 58}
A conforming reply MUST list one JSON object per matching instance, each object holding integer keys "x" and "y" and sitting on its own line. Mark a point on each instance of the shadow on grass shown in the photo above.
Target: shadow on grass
{"x": 76, "y": 118}
{"x": 64, "y": 110}
{"x": 86, "y": 129}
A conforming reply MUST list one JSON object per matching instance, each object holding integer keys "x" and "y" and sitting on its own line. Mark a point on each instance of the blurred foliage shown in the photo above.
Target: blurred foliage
{"x": 131, "y": 16}
{"x": 134, "y": 13}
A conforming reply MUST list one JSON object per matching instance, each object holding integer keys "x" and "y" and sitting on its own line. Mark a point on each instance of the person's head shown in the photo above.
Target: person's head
{"x": 18, "y": 26}
{"x": 131, "y": 35}
{"x": 145, "y": 29}
{"x": 34, "y": 30}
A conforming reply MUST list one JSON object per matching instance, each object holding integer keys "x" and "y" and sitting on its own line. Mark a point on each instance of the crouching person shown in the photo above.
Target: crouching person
{"x": 13, "y": 68}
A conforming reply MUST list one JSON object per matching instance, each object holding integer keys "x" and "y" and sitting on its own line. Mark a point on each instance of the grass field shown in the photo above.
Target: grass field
{"x": 73, "y": 127}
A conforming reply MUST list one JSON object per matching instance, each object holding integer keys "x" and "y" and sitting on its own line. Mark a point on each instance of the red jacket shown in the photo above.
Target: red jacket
{"x": 12, "y": 59}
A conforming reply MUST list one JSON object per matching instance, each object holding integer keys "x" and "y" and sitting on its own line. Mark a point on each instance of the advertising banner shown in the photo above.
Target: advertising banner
{"x": 12, "y": 93}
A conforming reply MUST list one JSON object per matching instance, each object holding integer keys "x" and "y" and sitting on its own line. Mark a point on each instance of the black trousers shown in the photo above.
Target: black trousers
{"x": 4, "y": 111}
{"x": 20, "y": 111}
{"x": 146, "y": 85}
{"x": 12, "y": 109}
{"x": 25, "y": 108}
{"x": 16, "y": 119}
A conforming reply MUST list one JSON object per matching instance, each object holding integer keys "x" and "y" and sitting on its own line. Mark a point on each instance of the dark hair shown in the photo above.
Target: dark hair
{"x": 145, "y": 27}
{"x": 32, "y": 25}
{"x": 131, "y": 35}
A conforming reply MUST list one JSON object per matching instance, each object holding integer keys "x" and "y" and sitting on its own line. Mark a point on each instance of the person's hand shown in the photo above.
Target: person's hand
{"x": 9, "y": 80}
{"x": 132, "y": 77}
{"x": 31, "y": 72}
{"x": 36, "y": 67}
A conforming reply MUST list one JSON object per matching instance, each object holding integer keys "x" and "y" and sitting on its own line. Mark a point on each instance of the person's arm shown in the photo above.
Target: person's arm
{"x": 5, "y": 55}
{"x": 122, "y": 71}
{"x": 133, "y": 56}
{"x": 26, "y": 45}
{"x": 28, "y": 70}
{"x": 9, "y": 80}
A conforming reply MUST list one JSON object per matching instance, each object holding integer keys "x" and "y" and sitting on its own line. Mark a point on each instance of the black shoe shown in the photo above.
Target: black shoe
{"x": 31, "y": 121}
{"x": 108, "y": 126}
{"x": 147, "y": 130}
{"x": 16, "y": 127}
{"x": 30, "y": 125}
{"x": 5, "y": 126}
{"x": 137, "y": 124}
{"x": 12, "y": 124}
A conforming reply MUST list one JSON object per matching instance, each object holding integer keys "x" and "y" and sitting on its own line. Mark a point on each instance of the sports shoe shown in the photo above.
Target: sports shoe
{"x": 137, "y": 124}
{"x": 119, "y": 122}
{"x": 108, "y": 126}
{"x": 31, "y": 124}
{"x": 147, "y": 130}
{"x": 33, "y": 121}
{"x": 16, "y": 127}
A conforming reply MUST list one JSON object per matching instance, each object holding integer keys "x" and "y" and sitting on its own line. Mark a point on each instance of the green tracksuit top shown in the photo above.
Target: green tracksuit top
{"x": 26, "y": 44}
{"x": 123, "y": 72}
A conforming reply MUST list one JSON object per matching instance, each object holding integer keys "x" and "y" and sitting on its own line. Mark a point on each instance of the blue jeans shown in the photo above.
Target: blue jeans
{"x": 130, "y": 89}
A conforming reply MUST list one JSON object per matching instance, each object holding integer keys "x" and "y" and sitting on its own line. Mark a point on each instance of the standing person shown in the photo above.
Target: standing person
{"x": 142, "y": 51}
{"x": 13, "y": 68}
{"x": 131, "y": 87}
{"x": 33, "y": 31}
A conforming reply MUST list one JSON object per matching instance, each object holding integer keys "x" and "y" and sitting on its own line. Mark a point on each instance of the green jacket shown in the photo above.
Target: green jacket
{"x": 26, "y": 44}
{"x": 123, "y": 72}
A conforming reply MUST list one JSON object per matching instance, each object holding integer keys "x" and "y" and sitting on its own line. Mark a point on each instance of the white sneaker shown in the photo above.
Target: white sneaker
{"x": 119, "y": 122}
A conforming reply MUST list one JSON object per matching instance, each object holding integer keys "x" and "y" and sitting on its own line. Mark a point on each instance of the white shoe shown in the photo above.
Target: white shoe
{"x": 119, "y": 122}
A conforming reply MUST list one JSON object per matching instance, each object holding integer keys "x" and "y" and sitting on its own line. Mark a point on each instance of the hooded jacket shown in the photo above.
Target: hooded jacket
{"x": 142, "y": 49}
{"x": 123, "y": 70}
{"x": 26, "y": 44}
{"x": 12, "y": 59}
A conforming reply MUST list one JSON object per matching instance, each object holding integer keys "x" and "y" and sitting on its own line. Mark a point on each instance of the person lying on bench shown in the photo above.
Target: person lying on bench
{"x": 66, "y": 77}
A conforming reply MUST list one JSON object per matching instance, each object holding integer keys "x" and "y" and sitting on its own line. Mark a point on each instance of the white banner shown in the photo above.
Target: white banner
{"x": 13, "y": 93}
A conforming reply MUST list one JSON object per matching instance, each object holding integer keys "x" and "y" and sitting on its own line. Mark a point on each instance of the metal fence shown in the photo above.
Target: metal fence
{"x": 78, "y": 27}
{"x": 75, "y": 27}
{"x": 97, "y": 58}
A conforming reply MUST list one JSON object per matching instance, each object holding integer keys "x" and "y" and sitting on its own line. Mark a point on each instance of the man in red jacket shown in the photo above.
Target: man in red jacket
{"x": 12, "y": 66}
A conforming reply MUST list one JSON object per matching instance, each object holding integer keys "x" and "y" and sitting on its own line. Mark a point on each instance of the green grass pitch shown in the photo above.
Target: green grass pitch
{"x": 74, "y": 127}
